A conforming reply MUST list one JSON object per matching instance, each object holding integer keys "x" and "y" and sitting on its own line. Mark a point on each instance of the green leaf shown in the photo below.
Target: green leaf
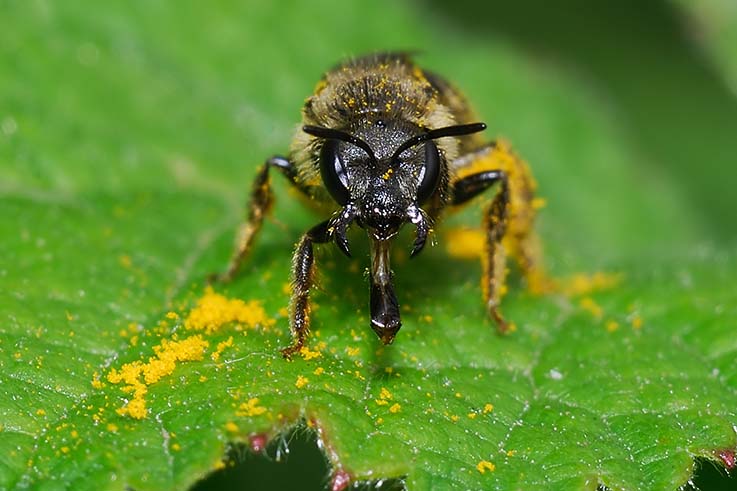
{"x": 128, "y": 136}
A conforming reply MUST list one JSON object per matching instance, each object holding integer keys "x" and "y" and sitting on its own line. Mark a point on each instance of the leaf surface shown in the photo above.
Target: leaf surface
{"x": 129, "y": 137}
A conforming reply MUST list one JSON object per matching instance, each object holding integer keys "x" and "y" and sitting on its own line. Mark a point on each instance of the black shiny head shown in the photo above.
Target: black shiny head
{"x": 379, "y": 176}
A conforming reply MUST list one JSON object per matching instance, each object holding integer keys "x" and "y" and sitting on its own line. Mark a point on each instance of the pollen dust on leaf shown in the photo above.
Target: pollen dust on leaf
{"x": 137, "y": 376}
{"x": 210, "y": 314}
{"x": 484, "y": 466}
{"x": 250, "y": 408}
{"x": 584, "y": 284}
{"x": 214, "y": 310}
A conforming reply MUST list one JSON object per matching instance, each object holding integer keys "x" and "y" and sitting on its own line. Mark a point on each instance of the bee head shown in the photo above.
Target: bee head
{"x": 382, "y": 185}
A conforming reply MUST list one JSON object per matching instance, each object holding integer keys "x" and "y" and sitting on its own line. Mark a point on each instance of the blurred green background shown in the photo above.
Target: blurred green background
{"x": 108, "y": 98}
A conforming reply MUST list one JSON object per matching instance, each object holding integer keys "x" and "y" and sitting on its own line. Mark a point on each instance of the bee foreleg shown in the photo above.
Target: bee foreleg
{"x": 422, "y": 228}
{"x": 303, "y": 272}
{"x": 260, "y": 203}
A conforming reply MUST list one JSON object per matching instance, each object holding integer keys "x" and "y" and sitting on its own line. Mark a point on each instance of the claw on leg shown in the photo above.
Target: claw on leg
{"x": 339, "y": 227}
{"x": 422, "y": 226}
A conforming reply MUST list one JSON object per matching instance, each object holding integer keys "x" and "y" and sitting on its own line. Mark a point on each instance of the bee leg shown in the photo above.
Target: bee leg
{"x": 260, "y": 203}
{"x": 303, "y": 272}
{"x": 495, "y": 221}
{"x": 510, "y": 217}
{"x": 423, "y": 227}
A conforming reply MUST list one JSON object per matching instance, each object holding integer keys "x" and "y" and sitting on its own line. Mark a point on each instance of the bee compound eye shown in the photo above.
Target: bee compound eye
{"x": 430, "y": 173}
{"x": 333, "y": 172}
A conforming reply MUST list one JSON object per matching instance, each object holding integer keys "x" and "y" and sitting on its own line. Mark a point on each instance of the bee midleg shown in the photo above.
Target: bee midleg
{"x": 260, "y": 203}
{"x": 508, "y": 221}
{"x": 495, "y": 224}
{"x": 303, "y": 273}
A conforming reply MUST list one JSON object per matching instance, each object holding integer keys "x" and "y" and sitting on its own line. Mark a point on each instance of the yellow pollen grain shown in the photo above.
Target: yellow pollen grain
{"x": 511, "y": 453}
{"x": 215, "y": 356}
{"x": 319, "y": 371}
{"x": 588, "y": 304}
{"x": 388, "y": 369}
{"x": 172, "y": 315}
{"x": 454, "y": 418}
{"x": 176, "y": 447}
{"x": 40, "y": 412}
{"x": 125, "y": 261}
{"x": 636, "y": 322}
{"x": 309, "y": 354}
{"x": 385, "y": 394}
{"x": 484, "y": 466}
{"x": 381, "y": 402}
{"x": 352, "y": 351}
{"x": 584, "y": 284}
{"x": 250, "y": 408}
{"x": 488, "y": 408}
{"x": 395, "y": 408}
{"x": 231, "y": 427}
{"x": 213, "y": 310}
{"x": 471, "y": 415}
{"x": 301, "y": 381}
{"x": 74, "y": 434}
{"x": 96, "y": 383}
{"x": 459, "y": 395}
{"x": 112, "y": 428}
{"x": 64, "y": 450}
{"x": 612, "y": 326}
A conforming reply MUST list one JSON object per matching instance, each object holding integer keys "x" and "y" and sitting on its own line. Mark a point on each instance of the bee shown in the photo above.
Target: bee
{"x": 384, "y": 143}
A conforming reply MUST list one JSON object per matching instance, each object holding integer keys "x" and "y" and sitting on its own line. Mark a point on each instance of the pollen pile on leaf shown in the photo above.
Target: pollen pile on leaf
{"x": 250, "y": 408}
{"x": 484, "y": 465}
{"x": 211, "y": 313}
{"x": 137, "y": 376}
{"x": 583, "y": 284}
{"x": 213, "y": 310}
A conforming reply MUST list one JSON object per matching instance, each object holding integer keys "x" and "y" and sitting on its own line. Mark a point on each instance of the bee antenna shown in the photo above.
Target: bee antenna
{"x": 322, "y": 132}
{"x": 456, "y": 130}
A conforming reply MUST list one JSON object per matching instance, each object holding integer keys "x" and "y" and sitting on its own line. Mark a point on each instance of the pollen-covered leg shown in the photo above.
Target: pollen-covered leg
{"x": 508, "y": 221}
{"x": 303, "y": 273}
{"x": 260, "y": 203}
{"x": 494, "y": 259}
